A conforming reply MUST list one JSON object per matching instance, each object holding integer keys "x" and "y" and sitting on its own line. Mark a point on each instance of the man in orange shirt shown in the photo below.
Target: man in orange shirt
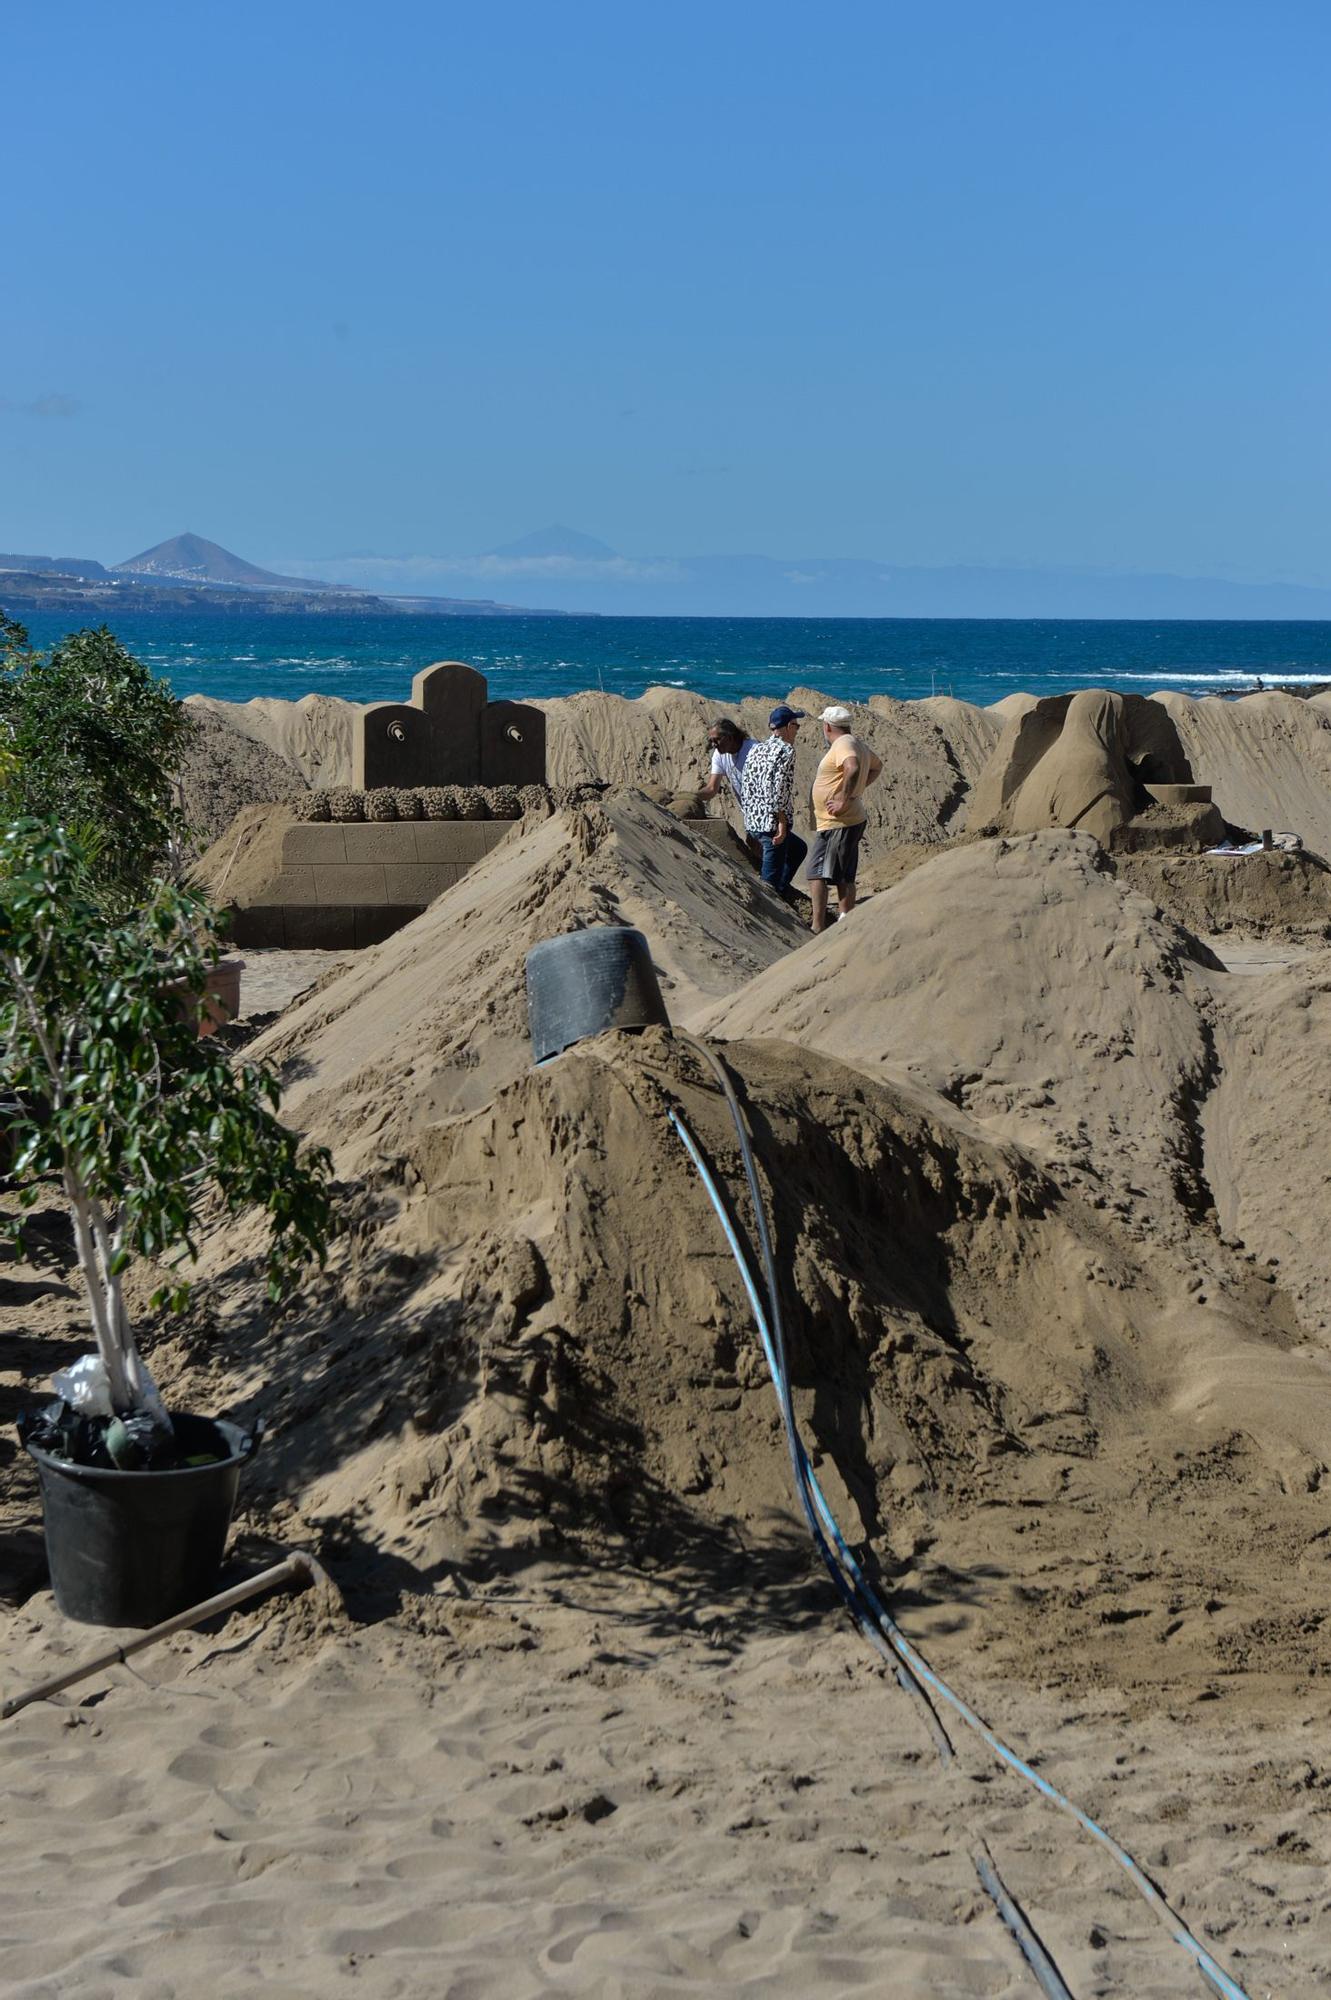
{"x": 843, "y": 777}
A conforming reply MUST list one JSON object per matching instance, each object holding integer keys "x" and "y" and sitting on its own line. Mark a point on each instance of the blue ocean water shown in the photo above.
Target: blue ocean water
{"x": 235, "y": 657}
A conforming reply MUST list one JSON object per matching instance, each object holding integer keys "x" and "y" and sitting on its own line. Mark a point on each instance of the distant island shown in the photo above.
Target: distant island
{"x": 189, "y": 573}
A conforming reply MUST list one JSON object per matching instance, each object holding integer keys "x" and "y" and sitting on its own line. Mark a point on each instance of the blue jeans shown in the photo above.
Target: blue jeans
{"x": 780, "y": 861}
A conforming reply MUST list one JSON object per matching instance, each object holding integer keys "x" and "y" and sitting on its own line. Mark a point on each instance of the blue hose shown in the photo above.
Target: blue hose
{"x": 853, "y": 1586}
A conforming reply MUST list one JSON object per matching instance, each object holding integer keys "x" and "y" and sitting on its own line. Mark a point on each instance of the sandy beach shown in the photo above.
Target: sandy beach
{"x": 1042, "y": 1128}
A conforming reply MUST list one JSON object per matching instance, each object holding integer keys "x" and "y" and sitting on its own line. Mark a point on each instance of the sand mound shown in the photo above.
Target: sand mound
{"x": 545, "y": 1350}
{"x": 662, "y": 739}
{"x": 312, "y": 735}
{"x": 1099, "y": 1035}
{"x": 970, "y": 733}
{"x": 1266, "y": 1128}
{"x": 1282, "y": 893}
{"x": 222, "y": 770}
{"x": 1078, "y": 760}
{"x": 1266, "y": 757}
{"x": 434, "y": 1019}
{"x": 238, "y": 866}
{"x": 1023, "y": 981}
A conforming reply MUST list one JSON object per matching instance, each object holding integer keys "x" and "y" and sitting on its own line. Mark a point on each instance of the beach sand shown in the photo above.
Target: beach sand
{"x": 582, "y": 1714}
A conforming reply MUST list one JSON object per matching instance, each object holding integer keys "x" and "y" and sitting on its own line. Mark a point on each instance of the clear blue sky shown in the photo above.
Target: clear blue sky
{"x": 1042, "y": 282}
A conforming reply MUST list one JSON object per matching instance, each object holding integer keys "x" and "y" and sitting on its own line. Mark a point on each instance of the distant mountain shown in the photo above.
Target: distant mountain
{"x": 59, "y": 565}
{"x": 547, "y": 542}
{"x": 191, "y": 574}
{"x": 577, "y": 573}
{"x": 189, "y": 558}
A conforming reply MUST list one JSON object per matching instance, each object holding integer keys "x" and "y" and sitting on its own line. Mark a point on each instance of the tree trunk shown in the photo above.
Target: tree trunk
{"x": 109, "y": 1344}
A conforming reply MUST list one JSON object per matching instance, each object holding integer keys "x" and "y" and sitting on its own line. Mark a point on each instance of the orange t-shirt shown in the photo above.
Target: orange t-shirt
{"x": 829, "y": 778}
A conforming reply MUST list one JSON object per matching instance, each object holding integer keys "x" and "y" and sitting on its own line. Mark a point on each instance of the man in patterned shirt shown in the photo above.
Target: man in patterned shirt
{"x": 767, "y": 798}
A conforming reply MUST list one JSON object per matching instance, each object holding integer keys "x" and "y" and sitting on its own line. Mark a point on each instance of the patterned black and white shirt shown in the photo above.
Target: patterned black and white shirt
{"x": 768, "y": 785}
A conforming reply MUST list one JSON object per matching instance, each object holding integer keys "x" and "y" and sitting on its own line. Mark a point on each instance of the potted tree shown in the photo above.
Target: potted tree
{"x": 90, "y": 736}
{"x": 112, "y": 1096}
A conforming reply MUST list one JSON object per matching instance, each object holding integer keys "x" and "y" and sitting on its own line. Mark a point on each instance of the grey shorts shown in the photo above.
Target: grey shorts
{"x": 835, "y": 854}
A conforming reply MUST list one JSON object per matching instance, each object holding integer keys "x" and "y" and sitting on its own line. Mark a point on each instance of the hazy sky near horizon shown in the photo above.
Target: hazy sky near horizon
{"x": 1043, "y": 284}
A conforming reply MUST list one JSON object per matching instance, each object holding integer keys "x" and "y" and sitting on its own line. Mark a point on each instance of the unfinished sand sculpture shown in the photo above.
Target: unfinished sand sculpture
{"x": 1093, "y": 761}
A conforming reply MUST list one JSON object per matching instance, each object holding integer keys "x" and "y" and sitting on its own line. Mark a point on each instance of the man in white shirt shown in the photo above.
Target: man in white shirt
{"x": 730, "y": 748}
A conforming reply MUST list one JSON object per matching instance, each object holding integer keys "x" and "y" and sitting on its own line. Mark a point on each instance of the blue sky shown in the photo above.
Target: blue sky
{"x": 1036, "y": 284}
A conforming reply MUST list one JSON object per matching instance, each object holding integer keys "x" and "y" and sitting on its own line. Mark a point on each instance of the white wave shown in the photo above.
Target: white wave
{"x": 1221, "y": 677}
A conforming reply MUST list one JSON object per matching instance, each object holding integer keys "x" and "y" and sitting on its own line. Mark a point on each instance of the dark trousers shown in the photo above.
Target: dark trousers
{"x": 780, "y": 860}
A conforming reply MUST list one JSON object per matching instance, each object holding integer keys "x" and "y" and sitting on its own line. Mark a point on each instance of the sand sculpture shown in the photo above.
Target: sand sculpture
{"x": 1093, "y": 761}
{"x": 346, "y": 884}
{"x": 449, "y": 733}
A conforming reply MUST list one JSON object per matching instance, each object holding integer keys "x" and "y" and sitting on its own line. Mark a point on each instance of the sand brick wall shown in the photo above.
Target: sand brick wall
{"x": 341, "y": 886}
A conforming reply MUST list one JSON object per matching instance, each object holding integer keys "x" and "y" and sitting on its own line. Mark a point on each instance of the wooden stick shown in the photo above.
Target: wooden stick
{"x": 300, "y": 1569}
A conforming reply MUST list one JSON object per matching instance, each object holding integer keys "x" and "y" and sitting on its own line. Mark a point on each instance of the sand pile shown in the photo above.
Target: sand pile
{"x": 1265, "y": 1128}
{"x": 1078, "y": 760}
{"x": 1025, "y": 983}
{"x": 539, "y": 1347}
{"x": 238, "y": 867}
{"x": 970, "y": 733}
{"x": 223, "y": 771}
{"x": 434, "y": 1019}
{"x": 999, "y": 1202}
{"x": 1285, "y": 894}
{"x": 313, "y": 735}
{"x": 1266, "y": 757}
{"x": 662, "y": 739}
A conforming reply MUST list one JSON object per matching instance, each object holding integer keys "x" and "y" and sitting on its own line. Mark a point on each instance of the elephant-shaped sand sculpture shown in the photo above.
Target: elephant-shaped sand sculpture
{"x": 1081, "y": 760}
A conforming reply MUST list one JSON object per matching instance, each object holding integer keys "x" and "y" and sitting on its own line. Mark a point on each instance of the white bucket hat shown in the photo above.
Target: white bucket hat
{"x": 835, "y": 714}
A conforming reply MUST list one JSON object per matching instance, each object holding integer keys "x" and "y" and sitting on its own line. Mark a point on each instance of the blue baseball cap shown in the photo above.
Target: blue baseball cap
{"x": 782, "y": 714}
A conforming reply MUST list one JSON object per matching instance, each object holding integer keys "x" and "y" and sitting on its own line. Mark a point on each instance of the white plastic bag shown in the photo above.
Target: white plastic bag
{"x": 84, "y": 1386}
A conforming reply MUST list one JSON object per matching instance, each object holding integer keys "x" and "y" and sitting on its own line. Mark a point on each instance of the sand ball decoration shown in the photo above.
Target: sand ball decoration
{"x": 381, "y": 803}
{"x": 434, "y": 802}
{"x": 310, "y": 805}
{"x": 408, "y": 804}
{"x": 504, "y": 802}
{"x": 472, "y": 803}
{"x": 534, "y": 798}
{"x": 346, "y": 805}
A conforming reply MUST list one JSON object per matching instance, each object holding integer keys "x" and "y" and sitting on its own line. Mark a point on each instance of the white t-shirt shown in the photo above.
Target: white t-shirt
{"x": 731, "y": 764}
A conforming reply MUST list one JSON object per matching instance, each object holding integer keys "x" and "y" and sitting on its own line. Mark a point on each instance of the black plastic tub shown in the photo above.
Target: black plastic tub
{"x": 130, "y": 1548}
{"x": 584, "y": 982}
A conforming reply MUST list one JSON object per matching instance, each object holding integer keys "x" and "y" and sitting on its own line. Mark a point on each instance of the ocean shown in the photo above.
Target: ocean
{"x": 235, "y": 657}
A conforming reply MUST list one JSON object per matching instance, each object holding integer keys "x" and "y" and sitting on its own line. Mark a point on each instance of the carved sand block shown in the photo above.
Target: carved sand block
{"x": 449, "y": 733}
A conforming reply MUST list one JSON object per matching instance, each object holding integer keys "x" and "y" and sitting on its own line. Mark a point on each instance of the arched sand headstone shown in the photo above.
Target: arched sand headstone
{"x": 512, "y": 744}
{"x": 449, "y": 733}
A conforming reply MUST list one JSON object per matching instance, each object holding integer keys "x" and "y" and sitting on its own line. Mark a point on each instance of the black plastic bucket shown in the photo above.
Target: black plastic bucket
{"x": 130, "y": 1548}
{"x": 584, "y": 982}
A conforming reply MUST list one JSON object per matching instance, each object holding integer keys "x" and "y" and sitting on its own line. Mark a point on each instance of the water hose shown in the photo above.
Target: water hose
{"x": 1046, "y": 1974}
{"x": 866, "y": 1608}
